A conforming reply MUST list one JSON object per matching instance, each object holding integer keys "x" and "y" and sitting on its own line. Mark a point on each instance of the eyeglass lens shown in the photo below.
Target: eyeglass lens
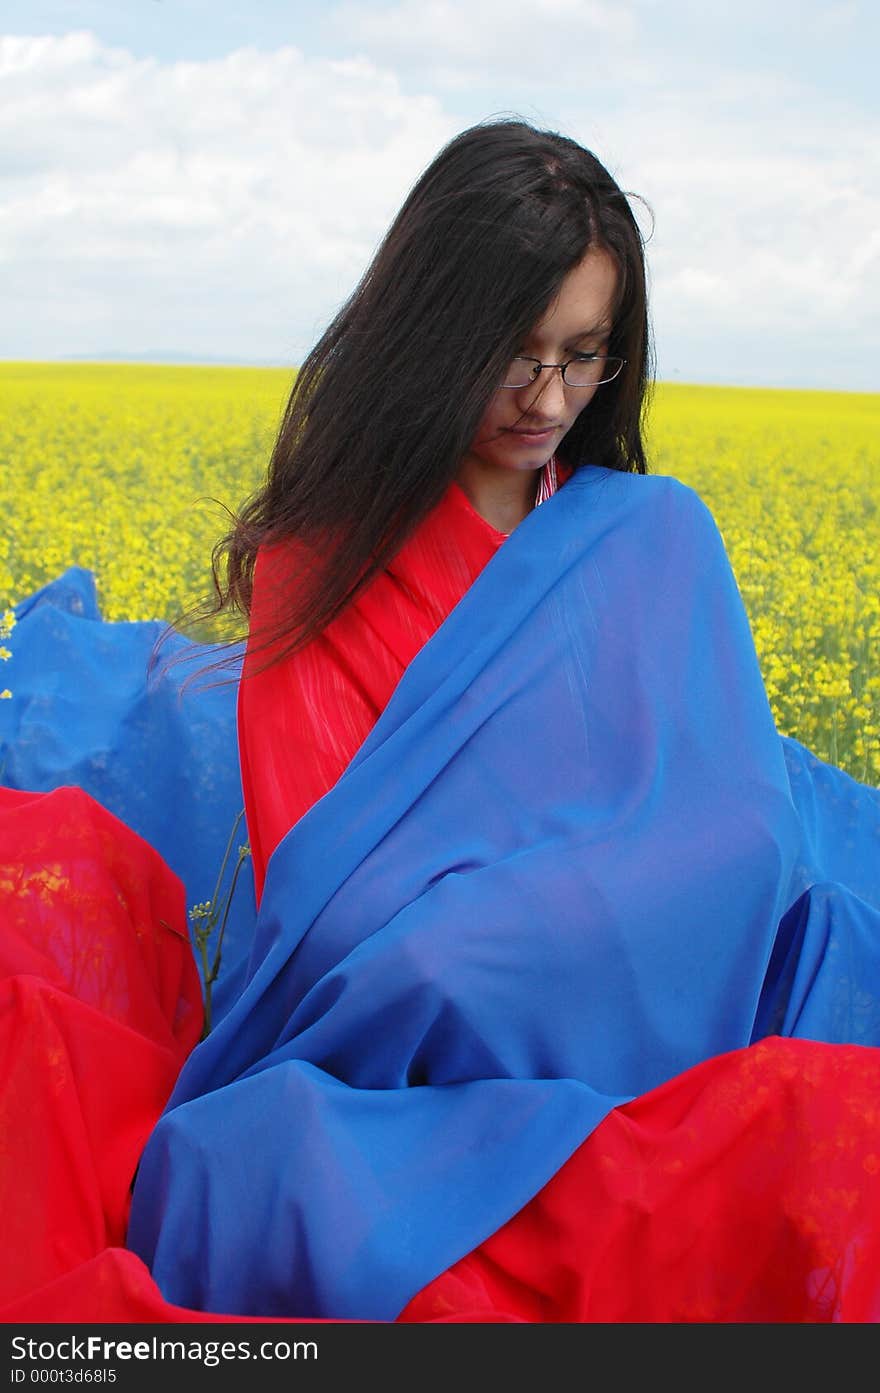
{"x": 577, "y": 372}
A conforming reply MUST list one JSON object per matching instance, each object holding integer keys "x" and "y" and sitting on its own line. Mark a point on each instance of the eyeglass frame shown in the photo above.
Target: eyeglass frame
{"x": 572, "y": 386}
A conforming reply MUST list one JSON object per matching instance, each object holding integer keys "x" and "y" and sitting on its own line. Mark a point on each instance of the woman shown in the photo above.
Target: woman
{"x": 562, "y": 999}
{"x": 542, "y": 260}
{"x": 549, "y": 854}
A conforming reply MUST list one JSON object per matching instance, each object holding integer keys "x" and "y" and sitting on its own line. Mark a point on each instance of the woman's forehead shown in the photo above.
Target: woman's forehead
{"x": 584, "y": 305}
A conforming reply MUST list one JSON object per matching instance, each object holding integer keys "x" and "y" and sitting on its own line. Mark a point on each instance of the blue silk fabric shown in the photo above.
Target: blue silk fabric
{"x": 99, "y": 705}
{"x": 574, "y": 858}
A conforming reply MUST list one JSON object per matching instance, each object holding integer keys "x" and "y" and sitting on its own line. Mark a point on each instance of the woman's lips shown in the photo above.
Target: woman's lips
{"x": 533, "y": 437}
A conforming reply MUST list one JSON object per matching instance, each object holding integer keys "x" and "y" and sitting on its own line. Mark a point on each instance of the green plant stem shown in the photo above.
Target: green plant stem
{"x": 210, "y": 972}
{"x": 215, "y": 967}
{"x": 226, "y": 857}
{"x": 203, "y": 954}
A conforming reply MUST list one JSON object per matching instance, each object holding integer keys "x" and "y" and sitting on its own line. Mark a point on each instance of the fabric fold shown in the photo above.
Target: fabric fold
{"x": 551, "y": 879}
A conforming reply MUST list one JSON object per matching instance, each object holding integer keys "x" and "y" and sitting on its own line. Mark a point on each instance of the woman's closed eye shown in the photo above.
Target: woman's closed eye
{"x": 571, "y": 355}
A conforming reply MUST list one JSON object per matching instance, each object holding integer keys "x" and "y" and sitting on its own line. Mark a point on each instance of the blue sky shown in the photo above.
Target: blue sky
{"x": 201, "y": 180}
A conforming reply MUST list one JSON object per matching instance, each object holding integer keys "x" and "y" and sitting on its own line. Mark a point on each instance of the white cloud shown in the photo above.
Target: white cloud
{"x": 764, "y": 177}
{"x": 767, "y": 244}
{"x": 228, "y": 206}
{"x": 456, "y": 44}
{"x": 147, "y": 194}
{"x": 766, "y": 232}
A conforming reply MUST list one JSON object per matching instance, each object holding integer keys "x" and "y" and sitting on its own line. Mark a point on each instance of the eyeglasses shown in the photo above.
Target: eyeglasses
{"x": 586, "y": 370}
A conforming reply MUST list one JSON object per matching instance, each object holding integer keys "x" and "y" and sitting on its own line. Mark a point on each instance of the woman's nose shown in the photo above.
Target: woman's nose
{"x": 546, "y": 396}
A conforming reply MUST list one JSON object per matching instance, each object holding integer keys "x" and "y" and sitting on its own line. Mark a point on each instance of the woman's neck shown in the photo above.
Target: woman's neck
{"x": 502, "y": 496}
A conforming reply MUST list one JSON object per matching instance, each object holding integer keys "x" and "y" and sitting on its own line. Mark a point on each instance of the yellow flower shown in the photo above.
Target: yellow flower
{"x": 140, "y": 452}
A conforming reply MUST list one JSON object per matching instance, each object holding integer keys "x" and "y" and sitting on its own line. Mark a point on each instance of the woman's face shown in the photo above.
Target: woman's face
{"x": 522, "y": 428}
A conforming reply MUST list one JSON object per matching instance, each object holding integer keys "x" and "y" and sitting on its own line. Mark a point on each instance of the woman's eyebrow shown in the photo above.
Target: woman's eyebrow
{"x": 595, "y": 331}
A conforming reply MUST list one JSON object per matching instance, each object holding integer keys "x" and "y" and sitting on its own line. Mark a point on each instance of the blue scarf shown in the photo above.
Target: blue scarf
{"x": 573, "y": 859}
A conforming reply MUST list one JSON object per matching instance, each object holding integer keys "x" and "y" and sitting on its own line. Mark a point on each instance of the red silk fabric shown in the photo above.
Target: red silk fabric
{"x": 301, "y": 722}
{"x": 745, "y": 1190}
{"x": 742, "y": 1190}
{"x": 101, "y": 1003}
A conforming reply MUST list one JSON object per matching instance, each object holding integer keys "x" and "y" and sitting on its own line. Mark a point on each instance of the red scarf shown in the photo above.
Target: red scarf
{"x": 302, "y": 720}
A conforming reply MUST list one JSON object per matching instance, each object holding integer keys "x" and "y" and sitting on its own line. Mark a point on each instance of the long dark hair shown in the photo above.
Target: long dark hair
{"x": 388, "y": 401}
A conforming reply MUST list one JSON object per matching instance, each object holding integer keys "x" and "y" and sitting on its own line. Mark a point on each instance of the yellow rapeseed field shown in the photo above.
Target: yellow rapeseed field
{"x": 114, "y": 468}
